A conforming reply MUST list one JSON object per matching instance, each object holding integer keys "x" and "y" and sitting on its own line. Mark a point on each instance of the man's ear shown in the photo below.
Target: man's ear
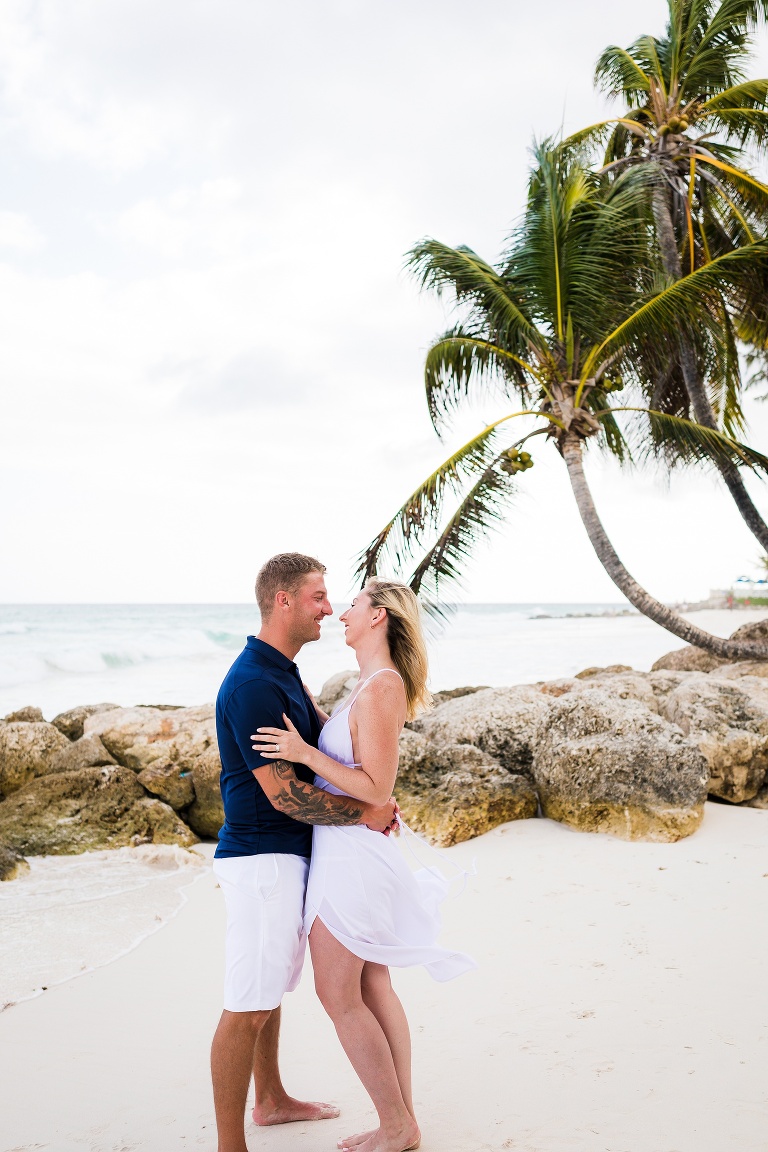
{"x": 282, "y": 600}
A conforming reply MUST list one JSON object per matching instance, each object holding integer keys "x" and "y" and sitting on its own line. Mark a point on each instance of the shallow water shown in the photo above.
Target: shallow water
{"x": 71, "y": 914}
{"x": 57, "y": 656}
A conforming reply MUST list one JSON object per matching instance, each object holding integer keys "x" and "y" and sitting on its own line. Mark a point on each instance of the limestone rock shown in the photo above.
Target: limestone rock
{"x": 72, "y": 812}
{"x": 168, "y": 782}
{"x": 12, "y": 863}
{"x": 624, "y": 685}
{"x": 28, "y": 748}
{"x": 603, "y": 764}
{"x": 178, "y": 748}
{"x": 336, "y": 689}
{"x": 500, "y": 721}
{"x": 588, "y": 673}
{"x": 206, "y": 813}
{"x": 756, "y": 632}
{"x": 743, "y": 668}
{"x": 758, "y": 801}
{"x": 687, "y": 659}
{"x": 71, "y": 722}
{"x": 28, "y": 715}
{"x": 730, "y": 725}
{"x": 137, "y": 737}
{"x": 87, "y": 752}
{"x": 447, "y": 694}
{"x": 557, "y": 687}
{"x": 453, "y": 792}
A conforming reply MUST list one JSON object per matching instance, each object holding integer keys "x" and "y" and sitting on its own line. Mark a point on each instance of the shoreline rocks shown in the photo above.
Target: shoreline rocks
{"x": 634, "y": 754}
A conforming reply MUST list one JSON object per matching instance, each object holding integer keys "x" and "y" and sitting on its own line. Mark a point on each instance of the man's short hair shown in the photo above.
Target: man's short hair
{"x": 283, "y": 573}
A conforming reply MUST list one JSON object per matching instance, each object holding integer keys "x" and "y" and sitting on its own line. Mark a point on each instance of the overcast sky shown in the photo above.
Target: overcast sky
{"x": 210, "y": 351}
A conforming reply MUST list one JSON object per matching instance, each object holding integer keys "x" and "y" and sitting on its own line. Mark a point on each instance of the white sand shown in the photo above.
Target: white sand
{"x": 621, "y": 1005}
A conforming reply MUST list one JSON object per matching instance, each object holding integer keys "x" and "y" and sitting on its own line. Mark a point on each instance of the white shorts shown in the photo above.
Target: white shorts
{"x": 265, "y": 942}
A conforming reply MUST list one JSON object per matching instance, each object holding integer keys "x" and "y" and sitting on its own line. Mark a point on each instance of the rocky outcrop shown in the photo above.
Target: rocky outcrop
{"x": 175, "y": 755}
{"x": 140, "y": 737}
{"x": 501, "y": 722}
{"x": 743, "y": 668}
{"x": 756, "y": 632}
{"x": 336, "y": 689}
{"x": 603, "y": 764}
{"x": 687, "y": 659}
{"x": 28, "y": 715}
{"x": 72, "y": 722}
{"x": 12, "y": 863}
{"x": 168, "y": 782}
{"x": 87, "y": 752}
{"x": 453, "y": 792}
{"x": 71, "y": 812}
{"x": 588, "y": 673}
{"x": 206, "y": 813}
{"x": 730, "y": 726}
{"x": 28, "y": 748}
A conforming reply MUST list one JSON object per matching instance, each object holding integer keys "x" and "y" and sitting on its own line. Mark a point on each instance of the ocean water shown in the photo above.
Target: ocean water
{"x": 56, "y": 656}
{"x": 71, "y": 914}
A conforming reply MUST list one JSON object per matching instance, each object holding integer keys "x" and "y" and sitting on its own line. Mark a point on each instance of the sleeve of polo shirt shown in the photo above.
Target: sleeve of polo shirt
{"x": 255, "y": 704}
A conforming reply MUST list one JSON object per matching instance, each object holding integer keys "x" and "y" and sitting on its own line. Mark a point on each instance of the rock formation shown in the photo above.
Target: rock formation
{"x": 603, "y": 764}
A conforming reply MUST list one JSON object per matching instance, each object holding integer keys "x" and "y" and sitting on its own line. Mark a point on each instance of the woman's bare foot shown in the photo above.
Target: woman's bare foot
{"x": 288, "y": 1111}
{"x": 354, "y": 1141}
{"x": 405, "y": 1139}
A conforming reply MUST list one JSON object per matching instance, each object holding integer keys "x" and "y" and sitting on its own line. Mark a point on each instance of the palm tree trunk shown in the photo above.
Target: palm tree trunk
{"x": 694, "y": 385}
{"x": 571, "y": 447}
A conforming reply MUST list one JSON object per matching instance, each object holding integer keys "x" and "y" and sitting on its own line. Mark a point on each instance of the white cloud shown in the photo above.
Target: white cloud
{"x": 209, "y": 347}
{"x": 18, "y": 231}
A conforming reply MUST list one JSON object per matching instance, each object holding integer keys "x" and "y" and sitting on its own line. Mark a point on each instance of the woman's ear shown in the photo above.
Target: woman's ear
{"x": 378, "y": 617}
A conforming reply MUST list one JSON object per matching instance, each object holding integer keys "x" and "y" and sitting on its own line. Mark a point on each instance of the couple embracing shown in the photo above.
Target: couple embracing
{"x": 305, "y": 852}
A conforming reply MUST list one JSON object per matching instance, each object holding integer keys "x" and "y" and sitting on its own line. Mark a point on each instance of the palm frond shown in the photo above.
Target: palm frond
{"x": 422, "y": 511}
{"x": 688, "y": 442}
{"x": 460, "y": 358}
{"x": 617, "y": 73}
{"x": 478, "y": 514}
{"x": 678, "y": 307}
{"x": 462, "y": 271}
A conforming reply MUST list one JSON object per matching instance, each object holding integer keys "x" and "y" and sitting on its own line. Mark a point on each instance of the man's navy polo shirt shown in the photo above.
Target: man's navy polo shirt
{"x": 259, "y": 687}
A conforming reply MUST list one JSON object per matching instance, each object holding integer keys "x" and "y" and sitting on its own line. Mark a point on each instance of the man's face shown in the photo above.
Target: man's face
{"x": 309, "y": 606}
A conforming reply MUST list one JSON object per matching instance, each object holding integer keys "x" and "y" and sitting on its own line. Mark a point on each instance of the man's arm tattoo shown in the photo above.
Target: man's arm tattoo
{"x": 308, "y": 804}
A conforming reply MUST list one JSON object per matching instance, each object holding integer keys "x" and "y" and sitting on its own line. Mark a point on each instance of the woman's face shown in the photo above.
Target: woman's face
{"x": 357, "y": 619}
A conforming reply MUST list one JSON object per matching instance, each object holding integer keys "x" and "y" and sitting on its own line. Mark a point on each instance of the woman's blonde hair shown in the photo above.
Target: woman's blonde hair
{"x": 405, "y": 636}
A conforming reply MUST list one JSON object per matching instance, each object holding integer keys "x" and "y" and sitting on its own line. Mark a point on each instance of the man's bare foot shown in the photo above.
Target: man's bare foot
{"x": 405, "y": 1139}
{"x": 288, "y": 1111}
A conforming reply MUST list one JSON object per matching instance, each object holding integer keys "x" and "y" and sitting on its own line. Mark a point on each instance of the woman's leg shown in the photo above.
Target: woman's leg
{"x": 338, "y": 978}
{"x": 384, "y": 1002}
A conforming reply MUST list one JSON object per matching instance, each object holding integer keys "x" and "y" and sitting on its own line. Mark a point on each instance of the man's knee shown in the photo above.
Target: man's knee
{"x": 244, "y": 1022}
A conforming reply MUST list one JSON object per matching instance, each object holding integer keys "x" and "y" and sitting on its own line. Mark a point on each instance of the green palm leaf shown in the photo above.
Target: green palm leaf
{"x": 689, "y": 442}
{"x": 439, "y": 267}
{"x": 422, "y": 511}
{"x": 459, "y": 357}
{"x": 479, "y": 512}
{"x": 678, "y": 307}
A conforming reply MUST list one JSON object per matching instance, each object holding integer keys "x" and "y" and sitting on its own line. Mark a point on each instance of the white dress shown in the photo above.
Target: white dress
{"x": 361, "y": 887}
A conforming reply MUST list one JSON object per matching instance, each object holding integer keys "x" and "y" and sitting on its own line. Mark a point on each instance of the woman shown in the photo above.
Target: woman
{"x": 365, "y": 908}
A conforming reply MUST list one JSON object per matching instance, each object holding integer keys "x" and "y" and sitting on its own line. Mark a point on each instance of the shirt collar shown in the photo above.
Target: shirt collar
{"x": 269, "y": 653}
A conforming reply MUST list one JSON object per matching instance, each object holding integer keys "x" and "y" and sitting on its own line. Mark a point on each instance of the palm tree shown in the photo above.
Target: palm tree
{"x": 690, "y": 115}
{"x": 574, "y": 314}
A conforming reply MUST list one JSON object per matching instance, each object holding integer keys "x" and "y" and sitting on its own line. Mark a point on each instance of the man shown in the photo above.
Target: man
{"x": 262, "y": 858}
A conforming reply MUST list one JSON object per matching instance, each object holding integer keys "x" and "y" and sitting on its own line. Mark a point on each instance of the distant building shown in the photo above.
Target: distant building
{"x": 745, "y": 586}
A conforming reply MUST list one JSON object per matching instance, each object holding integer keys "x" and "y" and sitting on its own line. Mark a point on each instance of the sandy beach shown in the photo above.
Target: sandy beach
{"x": 620, "y": 1006}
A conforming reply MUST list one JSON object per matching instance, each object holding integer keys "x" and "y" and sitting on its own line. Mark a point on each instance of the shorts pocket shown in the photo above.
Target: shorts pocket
{"x": 268, "y": 876}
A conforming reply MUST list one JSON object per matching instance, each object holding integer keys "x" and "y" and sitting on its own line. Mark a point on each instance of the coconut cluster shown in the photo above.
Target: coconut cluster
{"x": 516, "y": 461}
{"x": 675, "y": 124}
